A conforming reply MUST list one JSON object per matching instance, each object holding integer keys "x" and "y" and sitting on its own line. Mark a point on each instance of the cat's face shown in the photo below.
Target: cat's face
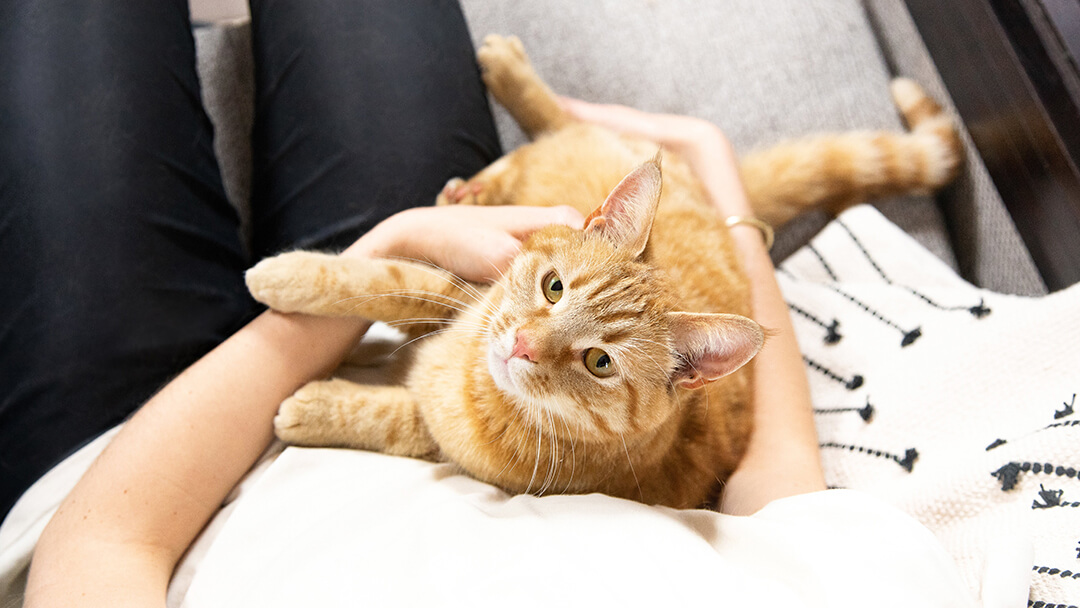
{"x": 584, "y": 335}
{"x": 579, "y": 337}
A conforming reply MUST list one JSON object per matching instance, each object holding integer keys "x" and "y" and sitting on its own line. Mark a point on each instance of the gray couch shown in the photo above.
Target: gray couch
{"x": 761, "y": 69}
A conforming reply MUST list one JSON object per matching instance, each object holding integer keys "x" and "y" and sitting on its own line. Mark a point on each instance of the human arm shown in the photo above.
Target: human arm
{"x": 117, "y": 537}
{"x": 783, "y": 457}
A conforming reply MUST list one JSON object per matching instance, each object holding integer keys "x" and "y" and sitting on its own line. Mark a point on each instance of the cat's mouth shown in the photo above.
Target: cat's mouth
{"x": 510, "y": 373}
{"x": 500, "y": 366}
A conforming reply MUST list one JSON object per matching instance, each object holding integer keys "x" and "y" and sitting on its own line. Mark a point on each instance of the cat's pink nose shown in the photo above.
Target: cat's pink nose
{"x": 523, "y": 349}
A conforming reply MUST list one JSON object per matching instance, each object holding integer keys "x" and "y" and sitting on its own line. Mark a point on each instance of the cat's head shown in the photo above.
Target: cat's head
{"x": 587, "y": 334}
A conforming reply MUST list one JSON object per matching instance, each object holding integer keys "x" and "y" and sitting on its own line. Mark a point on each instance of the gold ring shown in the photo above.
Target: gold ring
{"x": 765, "y": 228}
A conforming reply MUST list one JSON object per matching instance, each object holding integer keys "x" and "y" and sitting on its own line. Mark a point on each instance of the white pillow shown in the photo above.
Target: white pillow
{"x": 329, "y": 527}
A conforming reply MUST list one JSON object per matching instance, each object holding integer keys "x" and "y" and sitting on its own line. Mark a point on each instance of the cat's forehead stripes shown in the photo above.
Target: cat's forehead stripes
{"x": 608, "y": 279}
{"x": 544, "y": 247}
{"x": 606, "y": 285}
{"x": 623, "y": 314}
{"x": 616, "y": 335}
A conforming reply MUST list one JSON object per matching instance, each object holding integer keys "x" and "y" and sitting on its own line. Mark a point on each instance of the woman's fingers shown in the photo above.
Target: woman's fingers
{"x": 615, "y": 117}
{"x": 476, "y": 243}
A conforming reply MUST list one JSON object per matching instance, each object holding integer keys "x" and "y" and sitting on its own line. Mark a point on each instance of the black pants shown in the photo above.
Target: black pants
{"x": 120, "y": 260}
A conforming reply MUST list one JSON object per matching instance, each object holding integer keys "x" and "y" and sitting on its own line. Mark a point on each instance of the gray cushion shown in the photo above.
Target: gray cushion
{"x": 761, "y": 69}
{"x": 987, "y": 245}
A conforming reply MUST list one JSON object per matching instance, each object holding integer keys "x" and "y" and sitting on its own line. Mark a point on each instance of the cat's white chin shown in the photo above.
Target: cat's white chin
{"x": 503, "y": 376}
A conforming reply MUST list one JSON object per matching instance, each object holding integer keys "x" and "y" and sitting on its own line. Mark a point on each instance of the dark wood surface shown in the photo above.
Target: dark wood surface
{"x": 1010, "y": 69}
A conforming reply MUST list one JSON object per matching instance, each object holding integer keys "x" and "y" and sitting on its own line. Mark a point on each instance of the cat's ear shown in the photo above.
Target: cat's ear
{"x": 626, "y": 216}
{"x": 712, "y": 345}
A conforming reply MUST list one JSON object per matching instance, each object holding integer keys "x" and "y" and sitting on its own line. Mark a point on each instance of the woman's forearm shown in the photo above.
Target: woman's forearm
{"x": 783, "y": 457}
{"x": 117, "y": 537}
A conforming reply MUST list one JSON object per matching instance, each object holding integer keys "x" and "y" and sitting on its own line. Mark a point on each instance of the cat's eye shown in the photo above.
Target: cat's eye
{"x": 552, "y": 287}
{"x": 599, "y": 363}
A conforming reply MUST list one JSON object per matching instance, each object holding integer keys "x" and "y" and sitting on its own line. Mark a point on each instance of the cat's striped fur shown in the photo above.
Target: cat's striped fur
{"x": 515, "y": 392}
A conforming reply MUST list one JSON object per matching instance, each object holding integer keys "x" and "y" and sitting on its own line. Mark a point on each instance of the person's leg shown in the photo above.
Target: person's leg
{"x": 121, "y": 260}
{"x": 362, "y": 109}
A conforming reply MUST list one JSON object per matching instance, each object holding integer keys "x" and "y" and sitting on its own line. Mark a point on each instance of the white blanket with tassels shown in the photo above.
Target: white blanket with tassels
{"x": 955, "y": 404}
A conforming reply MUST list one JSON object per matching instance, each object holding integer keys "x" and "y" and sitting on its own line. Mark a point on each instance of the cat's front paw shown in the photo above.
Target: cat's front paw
{"x": 284, "y": 282}
{"x": 301, "y": 419}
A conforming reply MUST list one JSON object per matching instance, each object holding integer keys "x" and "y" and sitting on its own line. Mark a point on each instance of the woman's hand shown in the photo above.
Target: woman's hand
{"x": 678, "y": 133}
{"x": 475, "y": 243}
{"x": 697, "y": 141}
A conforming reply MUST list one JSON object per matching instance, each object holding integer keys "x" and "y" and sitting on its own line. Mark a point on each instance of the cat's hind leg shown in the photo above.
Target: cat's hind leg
{"x": 517, "y": 87}
{"x": 340, "y": 413}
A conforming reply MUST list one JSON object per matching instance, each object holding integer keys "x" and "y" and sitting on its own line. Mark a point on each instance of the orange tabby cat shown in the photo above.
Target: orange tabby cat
{"x": 608, "y": 359}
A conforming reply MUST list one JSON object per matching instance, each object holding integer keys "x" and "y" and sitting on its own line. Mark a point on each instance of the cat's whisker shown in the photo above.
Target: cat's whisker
{"x": 449, "y": 328}
{"x": 518, "y": 417}
{"x": 405, "y": 293}
{"x": 692, "y": 366}
{"x": 505, "y": 466}
{"x": 501, "y": 274}
{"x": 515, "y": 417}
{"x": 487, "y": 314}
{"x": 573, "y": 455}
{"x": 498, "y": 437}
{"x": 442, "y": 273}
{"x": 557, "y": 459}
{"x": 552, "y": 472}
{"x": 688, "y": 362}
{"x": 417, "y": 294}
{"x": 427, "y": 335}
{"x": 488, "y": 305}
{"x": 664, "y": 371}
{"x": 372, "y": 297}
{"x": 539, "y": 436}
{"x": 477, "y": 327}
{"x": 547, "y": 474}
{"x": 526, "y": 446}
{"x": 516, "y": 458}
{"x": 499, "y": 282}
{"x": 641, "y": 495}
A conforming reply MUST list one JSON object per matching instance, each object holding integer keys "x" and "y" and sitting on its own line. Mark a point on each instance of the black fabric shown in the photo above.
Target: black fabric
{"x": 120, "y": 256}
{"x": 361, "y": 113}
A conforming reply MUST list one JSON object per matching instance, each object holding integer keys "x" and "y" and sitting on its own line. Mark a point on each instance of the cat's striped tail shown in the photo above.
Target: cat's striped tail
{"x": 833, "y": 172}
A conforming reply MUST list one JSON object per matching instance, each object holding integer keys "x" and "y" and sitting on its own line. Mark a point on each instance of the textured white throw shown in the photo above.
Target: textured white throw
{"x": 955, "y": 404}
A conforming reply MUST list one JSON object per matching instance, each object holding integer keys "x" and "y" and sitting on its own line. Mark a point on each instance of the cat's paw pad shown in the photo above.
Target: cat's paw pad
{"x": 298, "y": 418}
{"x": 502, "y": 61}
{"x": 460, "y": 192}
{"x": 451, "y": 193}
